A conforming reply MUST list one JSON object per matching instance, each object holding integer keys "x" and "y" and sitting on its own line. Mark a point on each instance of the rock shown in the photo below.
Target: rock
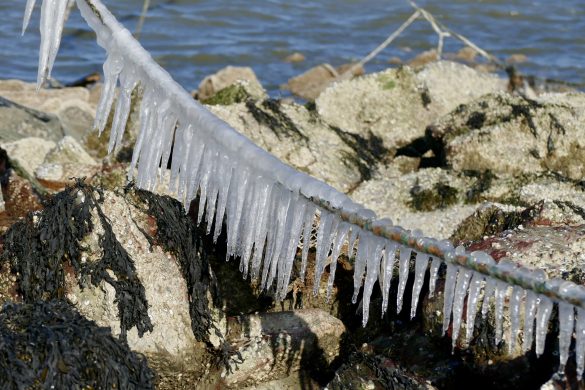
{"x": 311, "y": 83}
{"x": 395, "y": 60}
{"x": 159, "y": 273}
{"x": 67, "y": 160}
{"x": 353, "y": 70}
{"x": 518, "y": 58}
{"x": 511, "y": 135}
{"x": 71, "y": 105}
{"x": 29, "y": 152}
{"x": 397, "y": 104}
{"x": 239, "y": 92}
{"x": 18, "y": 122}
{"x": 295, "y": 57}
{"x": 277, "y": 344}
{"x": 467, "y": 54}
{"x": 298, "y": 137}
{"x": 377, "y": 372}
{"x": 224, "y": 78}
{"x": 424, "y": 58}
{"x": 432, "y": 199}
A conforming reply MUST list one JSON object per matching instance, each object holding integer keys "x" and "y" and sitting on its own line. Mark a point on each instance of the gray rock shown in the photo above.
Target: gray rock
{"x": 396, "y": 105}
{"x": 277, "y": 344}
{"x": 311, "y": 83}
{"x": 18, "y": 122}
{"x": 72, "y": 106}
{"x": 225, "y": 77}
{"x": 29, "y": 152}
{"x": 298, "y": 137}
{"x": 513, "y": 136}
{"x": 166, "y": 289}
{"x": 66, "y": 160}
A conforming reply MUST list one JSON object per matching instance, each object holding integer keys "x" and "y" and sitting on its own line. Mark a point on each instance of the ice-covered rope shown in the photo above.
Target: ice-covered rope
{"x": 269, "y": 206}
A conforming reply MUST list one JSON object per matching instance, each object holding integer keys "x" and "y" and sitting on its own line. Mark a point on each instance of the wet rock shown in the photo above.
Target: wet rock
{"x": 396, "y": 105}
{"x": 517, "y": 58}
{"x": 238, "y": 92}
{"x": 71, "y": 105}
{"x": 364, "y": 371}
{"x": 512, "y": 135}
{"x": 295, "y": 57}
{"x": 18, "y": 122}
{"x": 298, "y": 136}
{"x": 311, "y": 83}
{"x": 274, "y": 345}
{"x": 424, "y": 58}
{"x": 225, "y": 77}
{"x": 29, "y": 152}
{"x": 432, "y": 199}
{"x": 50, "y": 343}
{"x": 117, "y": 263}
{"x": 65, "y": 161}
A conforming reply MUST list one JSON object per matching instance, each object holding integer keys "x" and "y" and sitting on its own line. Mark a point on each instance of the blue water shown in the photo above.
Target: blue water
{"x": 194, "y": 38}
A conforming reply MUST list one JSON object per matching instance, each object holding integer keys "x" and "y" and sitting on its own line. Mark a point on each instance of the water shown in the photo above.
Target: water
{"x": 192, "y": 39}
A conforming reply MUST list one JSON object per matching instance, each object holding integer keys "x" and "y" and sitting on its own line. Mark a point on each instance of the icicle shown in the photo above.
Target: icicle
{"x": 566, "y": 327}
{"x": 373, "y": 260}
{"x": 530, "y": 307}
{"x": 515, "y": 302}
{"x": 294, "y": 234}
{"x": 52, "y": 20}
{"x": 404, "y": 263}
{"x": 323, "y": 247}
{"x": 112, "y": 68}
{"x": 359, "y": 266}
{"x": 580, "y": 342}
{"x": 542, "y": 317}
{"x": 387, "y": 270}
{"x": 450, "y": 280}
{"x": 490, "y": 287}
{"x": 263, "y": 223}
{"x": 472, "y": 304}
{"x": 351, "y": 242}
{"x": 30, "y": 5}
{"x": 420, "y": 269}
{"x": 249, "y": 220}
{"x": 463, "y": 279}
{"x": 225, "y": 172}
{"x": 529, "y": 315}
{"x": 337, "y": 244}
{"x": 282, "y": 208}
{"x": 501, "y": 290}
{"x": 434, "y": 274}
{"x": 128, "y": 82}
{"x": 234, "y": 213}
{"x": 307, "y": 231}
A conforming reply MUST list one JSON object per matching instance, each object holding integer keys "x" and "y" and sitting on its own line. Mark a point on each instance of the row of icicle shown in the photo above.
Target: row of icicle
{"x": 269, "y": 207}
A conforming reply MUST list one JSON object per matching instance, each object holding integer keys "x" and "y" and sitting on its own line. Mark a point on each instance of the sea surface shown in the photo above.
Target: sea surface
{"x": 192, "y": 39}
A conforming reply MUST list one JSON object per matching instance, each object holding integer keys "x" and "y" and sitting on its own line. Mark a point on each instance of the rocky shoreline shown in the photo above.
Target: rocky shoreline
{"x": 450, "y": 150}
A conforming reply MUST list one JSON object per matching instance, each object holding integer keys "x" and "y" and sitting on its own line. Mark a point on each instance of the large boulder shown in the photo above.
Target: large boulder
{"x": 223, "y": 78}
{"x": 274, "y": 345}
{"x": 300, "y": 138}
{"x": 73, "y": 106}
{"x": 396, "y": 105}
{"x": 17, "y": 121}
{"x": 514, "y": 136}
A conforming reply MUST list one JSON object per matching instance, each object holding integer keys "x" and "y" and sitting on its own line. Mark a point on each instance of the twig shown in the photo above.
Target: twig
{"x": 382, "y": 46}
{"x": 142, "y": 17}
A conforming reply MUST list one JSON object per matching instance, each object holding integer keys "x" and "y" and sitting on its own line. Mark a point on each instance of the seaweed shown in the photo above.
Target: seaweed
{"x": 176, "y": 233}
{"x": 49, "y": 345}
{"x": 45, "y": 245}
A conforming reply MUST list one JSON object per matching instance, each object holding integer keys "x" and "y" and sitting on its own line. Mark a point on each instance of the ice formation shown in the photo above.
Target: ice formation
{"x": 270, "y": 209}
